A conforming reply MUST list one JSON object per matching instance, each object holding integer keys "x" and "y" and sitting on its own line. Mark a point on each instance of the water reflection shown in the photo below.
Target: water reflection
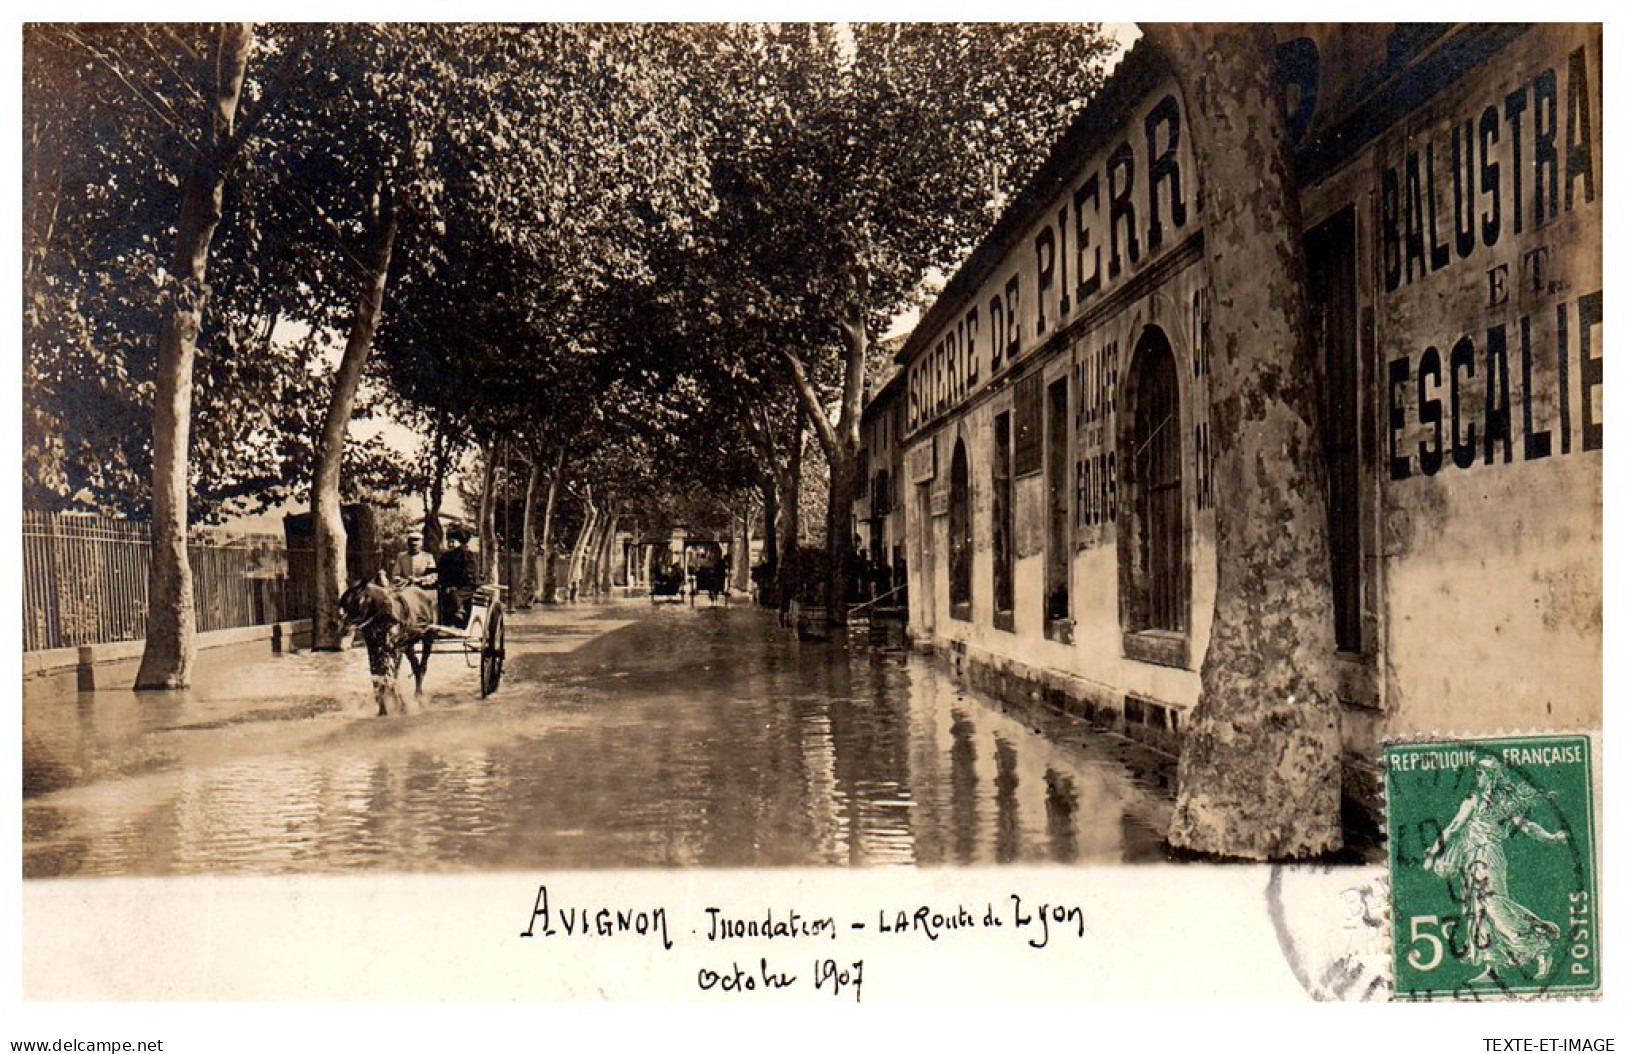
{"x": 962, "y": 762}
{"x": 1060, "y": 815}
{"x": 690, "y": 738}
{"x": 1007, "y": 837}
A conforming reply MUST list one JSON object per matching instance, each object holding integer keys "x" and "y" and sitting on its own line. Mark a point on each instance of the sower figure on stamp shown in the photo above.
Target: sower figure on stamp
{"x": 1470, "y": 854}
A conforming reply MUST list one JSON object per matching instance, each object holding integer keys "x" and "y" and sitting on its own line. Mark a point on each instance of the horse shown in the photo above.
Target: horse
{"x": 391, "y": 622}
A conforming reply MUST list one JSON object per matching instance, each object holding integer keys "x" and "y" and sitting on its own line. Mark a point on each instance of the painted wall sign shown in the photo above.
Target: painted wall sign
{"x": 1095, "y": 375}
{"x": 1534, "y": 159}
{"x": 1129, "y": 205}
{"x": 1488, "y": 235}
{"x": 922, "y": 461}
{"x": 1463, "y": 398}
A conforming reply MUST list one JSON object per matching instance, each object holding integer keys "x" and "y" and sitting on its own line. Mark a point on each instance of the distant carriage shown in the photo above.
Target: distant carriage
{"x": 712, "y": 580}
{"x": 682, "y": 566}
{"x": 666, "y": 584}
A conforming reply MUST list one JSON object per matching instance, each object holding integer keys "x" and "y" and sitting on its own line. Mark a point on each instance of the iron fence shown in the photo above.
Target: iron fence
{"x": 85, "y": 580}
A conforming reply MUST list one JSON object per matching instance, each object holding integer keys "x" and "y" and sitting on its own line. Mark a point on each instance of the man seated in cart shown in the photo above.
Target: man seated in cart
{"x": 456, "y": 577}
{"x": 414, "y": 567}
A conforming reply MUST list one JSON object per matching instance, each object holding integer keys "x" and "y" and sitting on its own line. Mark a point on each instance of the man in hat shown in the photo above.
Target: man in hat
{"x": 456, "y": 576}
{"x": 414, "y": 567}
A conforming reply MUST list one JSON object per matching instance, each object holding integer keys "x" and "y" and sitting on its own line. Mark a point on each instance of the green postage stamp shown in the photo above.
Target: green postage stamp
{"x": 1491, "y": 855}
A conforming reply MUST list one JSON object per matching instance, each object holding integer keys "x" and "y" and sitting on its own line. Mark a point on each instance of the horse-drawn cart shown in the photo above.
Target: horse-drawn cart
{"x": 666, "y": 584}
{"x": 400, "y": 623}
{"x": 712, "y": 580}
{"x": 485, "y": 637}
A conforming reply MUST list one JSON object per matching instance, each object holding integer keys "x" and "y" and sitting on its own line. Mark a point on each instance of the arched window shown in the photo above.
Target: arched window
{"x": 959, "y": 533}
{"x": 1153, "y": 570}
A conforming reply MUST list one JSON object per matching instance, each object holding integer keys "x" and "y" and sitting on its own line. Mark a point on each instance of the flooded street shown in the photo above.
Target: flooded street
{"x": 622, "y": 736}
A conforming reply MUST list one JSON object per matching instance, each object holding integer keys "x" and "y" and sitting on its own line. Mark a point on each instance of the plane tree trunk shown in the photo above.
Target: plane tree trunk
{"x": 434, "y": 533}
{"x": 788, "y": 579}
{"x": 770, "y": 529}
{"x": 1259, "y": 772}
{"x": 166, "y": 658}
{"x": 603, "y": 574}
{"x": 524, "y": 590}
{"x": 325, "y": 499}
{"x": 487, "y": 515}
{"x": 554, "y": 480}
{"x": 583, "y": 538}
{"x": 839, "y": 440}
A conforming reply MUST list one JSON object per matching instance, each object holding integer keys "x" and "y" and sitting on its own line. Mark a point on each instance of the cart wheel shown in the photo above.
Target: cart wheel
{"x": 492, "y": 654}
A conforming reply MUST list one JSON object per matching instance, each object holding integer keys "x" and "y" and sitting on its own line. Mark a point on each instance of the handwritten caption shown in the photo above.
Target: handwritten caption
{"x": 806, "y": 958}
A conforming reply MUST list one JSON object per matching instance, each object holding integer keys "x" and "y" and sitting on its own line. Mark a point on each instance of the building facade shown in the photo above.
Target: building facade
{"x": 1056, "y": 434}
{"x": 879, "y": 514}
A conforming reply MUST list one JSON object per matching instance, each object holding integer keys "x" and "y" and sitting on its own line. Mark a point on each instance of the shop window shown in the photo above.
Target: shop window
{"x": 1004, "y": 548}
{"x": 1154, "y": 573}
{"x": 959, "y": 534}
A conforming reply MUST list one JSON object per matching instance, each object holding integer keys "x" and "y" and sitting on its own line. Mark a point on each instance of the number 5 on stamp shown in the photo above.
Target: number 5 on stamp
{"x": 1491, "y": 857}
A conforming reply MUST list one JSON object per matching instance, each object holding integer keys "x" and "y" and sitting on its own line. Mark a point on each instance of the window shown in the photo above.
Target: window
{"x": 1029, "y": 439}
{"x": 1004, "y": 549}
{"x": 1058, "y": 541}
{"x": 879, "y": 509}
{"x": 959, "y": 534}
{"x": 1332, "y": 298}
{"x": 880, "y": 493}
{"x": 1153, "y": 572}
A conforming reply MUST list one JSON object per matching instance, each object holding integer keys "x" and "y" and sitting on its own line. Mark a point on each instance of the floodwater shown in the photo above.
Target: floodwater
{"x": 622, "y": 736}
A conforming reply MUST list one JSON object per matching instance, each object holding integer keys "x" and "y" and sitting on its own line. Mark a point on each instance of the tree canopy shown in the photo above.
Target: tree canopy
{"x": 644, "y": 239}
